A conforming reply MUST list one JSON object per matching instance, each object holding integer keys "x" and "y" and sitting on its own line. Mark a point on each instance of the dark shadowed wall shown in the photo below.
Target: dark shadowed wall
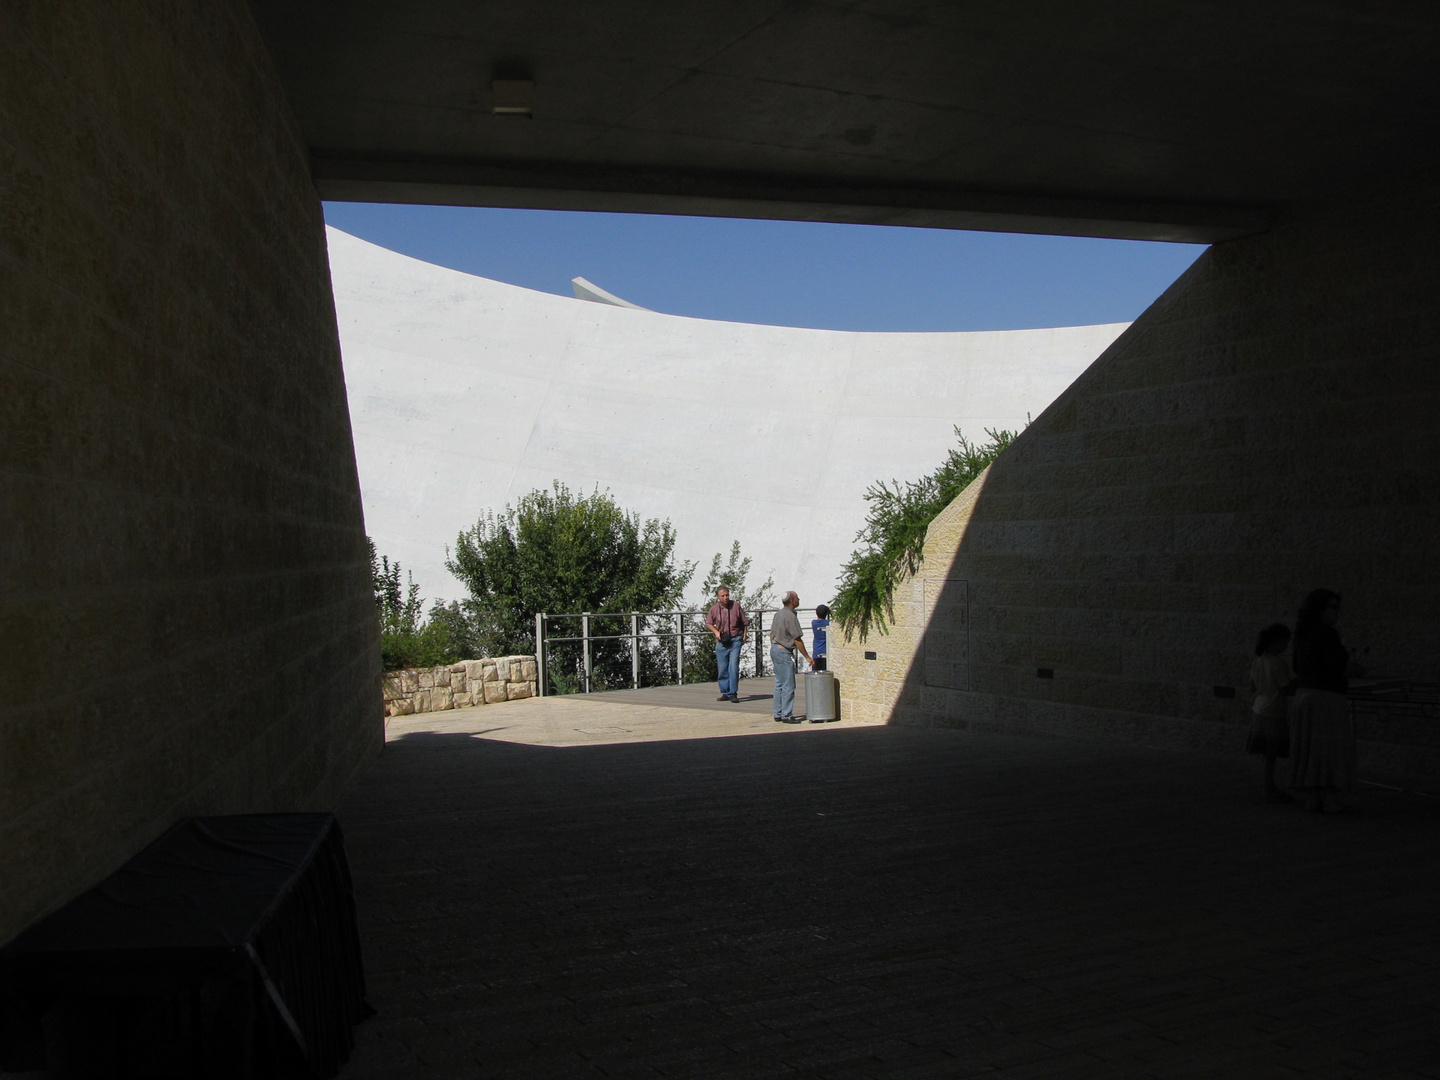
{"x": 1268, "y": 426}
{"x": 185, "y": 618}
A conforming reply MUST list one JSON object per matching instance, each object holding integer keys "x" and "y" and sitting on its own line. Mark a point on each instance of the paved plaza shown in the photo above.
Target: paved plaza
{"x": 654, "y": 884}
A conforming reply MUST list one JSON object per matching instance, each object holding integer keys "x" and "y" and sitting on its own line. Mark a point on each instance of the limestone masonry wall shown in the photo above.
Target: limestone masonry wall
{"x": 177, "y": 480}
{"x": 457, "y": 686}
{"x": 1267, "y": 427}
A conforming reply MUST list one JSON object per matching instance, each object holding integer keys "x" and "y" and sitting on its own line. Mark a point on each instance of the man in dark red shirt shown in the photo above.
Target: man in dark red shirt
{"x": 727, "y": 622}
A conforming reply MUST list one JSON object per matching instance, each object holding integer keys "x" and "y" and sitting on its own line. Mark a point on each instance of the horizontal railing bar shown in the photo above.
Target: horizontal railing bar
{"x": 628, "y": 637}
{"x": 654, "y": 614}
{"x": 619, "y": 614}
{"x": 685, "y": 627}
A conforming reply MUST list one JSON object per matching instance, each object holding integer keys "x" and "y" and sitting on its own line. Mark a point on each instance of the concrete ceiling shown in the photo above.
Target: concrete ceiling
{"x": 1132, "y": 118}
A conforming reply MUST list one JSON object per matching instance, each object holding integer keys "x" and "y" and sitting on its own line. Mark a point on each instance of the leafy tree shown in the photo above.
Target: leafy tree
{"x": 700, "y": 651}
{"x": 557, "y": 552}
{"x": 895, "y": 528}
{"x": 396, "y": 606}
{"x": 450, "y": 628}
{"x": 408, "y": 640}
{"x": 733, "y": 575}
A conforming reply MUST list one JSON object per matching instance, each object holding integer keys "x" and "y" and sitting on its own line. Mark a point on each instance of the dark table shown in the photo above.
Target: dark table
{"x": 227, "y": 948}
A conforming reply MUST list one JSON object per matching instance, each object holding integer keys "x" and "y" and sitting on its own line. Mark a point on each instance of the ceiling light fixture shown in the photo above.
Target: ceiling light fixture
{"x": 512, "y": 97}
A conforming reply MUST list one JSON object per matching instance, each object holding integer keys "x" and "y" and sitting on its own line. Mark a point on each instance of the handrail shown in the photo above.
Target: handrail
{"x": 678, "y": 632}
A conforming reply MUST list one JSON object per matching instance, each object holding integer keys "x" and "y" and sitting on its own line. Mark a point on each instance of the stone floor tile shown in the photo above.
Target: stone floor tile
{"x": 593, "y": 887}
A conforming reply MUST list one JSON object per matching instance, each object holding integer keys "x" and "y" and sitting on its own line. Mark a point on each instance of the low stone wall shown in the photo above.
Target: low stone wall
{"x": 456, "y": 686}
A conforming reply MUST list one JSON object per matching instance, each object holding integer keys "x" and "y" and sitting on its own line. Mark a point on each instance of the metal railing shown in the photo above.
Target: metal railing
{"x": 679, "y": 627}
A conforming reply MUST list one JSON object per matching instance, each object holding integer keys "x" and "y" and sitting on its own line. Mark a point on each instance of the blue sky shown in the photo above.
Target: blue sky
{"x": 835, "y": 277}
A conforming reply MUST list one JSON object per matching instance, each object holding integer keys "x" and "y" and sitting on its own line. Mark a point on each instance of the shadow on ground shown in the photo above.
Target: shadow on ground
{"x": 882, "y": 902}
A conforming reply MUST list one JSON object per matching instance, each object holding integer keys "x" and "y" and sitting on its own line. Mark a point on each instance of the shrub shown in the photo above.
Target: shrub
{"x": 557, "y": 552}
{"x": 408, "y": 640}
{"x": 896, "y": 524}
{"x": 700, "y": 650}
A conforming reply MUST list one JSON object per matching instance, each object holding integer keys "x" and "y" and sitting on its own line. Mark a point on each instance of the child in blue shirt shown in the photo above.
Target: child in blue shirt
{"x": 817, "y": 627}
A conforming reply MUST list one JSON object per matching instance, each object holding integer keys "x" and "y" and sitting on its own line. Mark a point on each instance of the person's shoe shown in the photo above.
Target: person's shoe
{"x": 724, "y": 697}
{"x": 778, "y": 719}
{"x": 735, "y": 699}
{"x": 792, "y": 719}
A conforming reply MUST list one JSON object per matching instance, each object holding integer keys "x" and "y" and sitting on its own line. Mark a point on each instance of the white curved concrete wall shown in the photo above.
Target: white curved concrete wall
{"x": 466, "y": 393}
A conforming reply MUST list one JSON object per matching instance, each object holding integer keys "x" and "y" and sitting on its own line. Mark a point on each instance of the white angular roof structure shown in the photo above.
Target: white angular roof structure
{"x": 467, "y": 393}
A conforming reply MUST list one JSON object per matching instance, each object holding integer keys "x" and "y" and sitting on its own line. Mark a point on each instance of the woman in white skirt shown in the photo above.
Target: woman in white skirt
{"x": 1323, "y": 747}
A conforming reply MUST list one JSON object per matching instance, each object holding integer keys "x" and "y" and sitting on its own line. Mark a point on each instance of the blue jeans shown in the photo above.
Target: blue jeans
{"x": 783, "y": 660}
{"x": 727, "y": 663}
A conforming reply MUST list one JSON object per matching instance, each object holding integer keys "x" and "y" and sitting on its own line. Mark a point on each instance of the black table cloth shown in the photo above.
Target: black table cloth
{"x": 228, "y": 948}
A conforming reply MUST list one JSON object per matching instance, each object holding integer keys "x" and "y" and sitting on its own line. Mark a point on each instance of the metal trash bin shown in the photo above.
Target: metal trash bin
{"x": 820, "y": 696}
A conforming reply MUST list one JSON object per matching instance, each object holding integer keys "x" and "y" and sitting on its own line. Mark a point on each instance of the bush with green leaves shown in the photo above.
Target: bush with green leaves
{"x": 896, "y": 524}
{"x": 408, "y": 639}
{"x": 733, "y": 574}
{"x": 558, "y": 552}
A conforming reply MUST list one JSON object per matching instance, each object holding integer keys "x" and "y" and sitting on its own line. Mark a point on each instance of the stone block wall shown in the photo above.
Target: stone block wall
{"x": 458, "y": 686}
{"x": 1268, "y": 426}
{"x": 177, "y": 480}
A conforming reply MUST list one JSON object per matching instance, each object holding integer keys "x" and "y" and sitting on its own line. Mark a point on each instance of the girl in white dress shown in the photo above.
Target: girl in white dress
{"x": 1273, "y": 681}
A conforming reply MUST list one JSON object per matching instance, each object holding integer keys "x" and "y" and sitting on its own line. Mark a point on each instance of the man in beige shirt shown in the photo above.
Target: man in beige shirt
{"x": 785, "y": 638}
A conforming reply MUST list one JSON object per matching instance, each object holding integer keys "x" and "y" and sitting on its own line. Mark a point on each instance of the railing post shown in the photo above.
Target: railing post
{"x": 679, "y": 649}
{"x": 539, "y": 654}
{"x": 585, "y": 644}
{"x": 759, "y": 644}
{"x": 635, "y": 650}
